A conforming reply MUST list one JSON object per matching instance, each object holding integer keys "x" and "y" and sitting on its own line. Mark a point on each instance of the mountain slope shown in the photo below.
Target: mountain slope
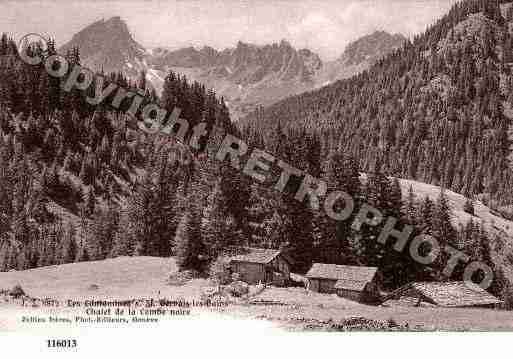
{"x": 435, "y": 111}
{"x": 359, "y": 56}
{"x": 499, "y": 228}
{"x": 371, "y": 48}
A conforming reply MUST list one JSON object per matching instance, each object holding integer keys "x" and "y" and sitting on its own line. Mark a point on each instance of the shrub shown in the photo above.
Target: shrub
{"x": 93, "y": 287}
{"x": 220, "y": 271}
{"x": 469, "y": 207}
{"x": 17, "y": 291}
{"x": 506, "y": 212}
{"x": 238, "y": 289}
{"x": 509, "y": 257}
{"x": 182, "y": 277}
{"x": 507, "y": 297}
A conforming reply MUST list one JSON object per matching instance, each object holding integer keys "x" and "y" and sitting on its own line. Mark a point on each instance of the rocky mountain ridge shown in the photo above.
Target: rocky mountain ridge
{"x": 247, "y": 75}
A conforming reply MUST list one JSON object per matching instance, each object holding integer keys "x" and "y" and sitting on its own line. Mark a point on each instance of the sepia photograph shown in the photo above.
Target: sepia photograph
{"x": 296, "y": 168}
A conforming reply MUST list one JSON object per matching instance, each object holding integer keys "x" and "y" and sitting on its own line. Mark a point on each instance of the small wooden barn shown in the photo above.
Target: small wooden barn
{"x": 258, "y": 265}
{"x": 444, "y": 294}
{"x": 355, "y": 283}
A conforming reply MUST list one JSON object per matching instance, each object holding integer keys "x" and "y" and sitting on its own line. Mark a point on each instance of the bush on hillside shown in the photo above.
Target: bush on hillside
{"x": 182, "y": 277}
{"x": 506, "y": 212}
{"x": 220, "y": 271}
{"x": 469, "y": 207}
{"x": 93, "y": 287}
{"x": 238, "y": 289}
{"x": 507, "y": 297}
{"x": 17, "y": 291}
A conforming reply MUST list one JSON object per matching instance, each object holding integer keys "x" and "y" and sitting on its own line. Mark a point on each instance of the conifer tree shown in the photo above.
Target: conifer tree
{"x": 189, "y": 247}
{"x": 426, "y": 212}
{"x": 378, "y": 196}
{"x": 68, "y": 247}
{"x": 342, "y": 174}
{"x": 410, "y": 208}
{"x": 443, "y": 231}
{"x": 82, "y": 255}
{"x": 217, "y": 224}
{"x": 125, "y": 239}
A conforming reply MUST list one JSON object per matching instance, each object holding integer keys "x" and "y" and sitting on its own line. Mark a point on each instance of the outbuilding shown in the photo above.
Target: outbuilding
{"x": 259, "y": 265}
{"x": 351, "y": 282}
{"x": 443, "y": 294}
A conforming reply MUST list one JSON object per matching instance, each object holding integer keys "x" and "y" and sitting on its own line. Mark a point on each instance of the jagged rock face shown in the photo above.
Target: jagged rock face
{"x": 245, "y": 64}
{"x": 186, "y": 57}
{"x": 108, "y": 45}
{"x": 251, "y": 64}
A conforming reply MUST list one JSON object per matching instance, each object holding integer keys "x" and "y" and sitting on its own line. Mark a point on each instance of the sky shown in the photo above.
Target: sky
{"x": 323, "y": 26}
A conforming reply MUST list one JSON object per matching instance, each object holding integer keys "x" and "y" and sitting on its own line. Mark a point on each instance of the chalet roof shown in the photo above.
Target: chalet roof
{"x": 256, "y": 255}
{"x": 347, "y": 284}
{"x": 348, "y": 277}
{"x": 450, "y": 294}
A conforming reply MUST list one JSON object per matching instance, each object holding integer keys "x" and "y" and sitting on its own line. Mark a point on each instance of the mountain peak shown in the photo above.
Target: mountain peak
{"x": 371, "y": 48}
{"x": 115, "y": 23}
{"x": 106, "y": 44}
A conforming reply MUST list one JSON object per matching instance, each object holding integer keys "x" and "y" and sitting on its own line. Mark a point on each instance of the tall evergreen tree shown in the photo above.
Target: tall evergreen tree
{"x": 189, "y": 247}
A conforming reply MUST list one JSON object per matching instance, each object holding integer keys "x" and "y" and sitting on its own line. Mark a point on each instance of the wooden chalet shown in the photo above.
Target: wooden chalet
{"x": 258, "y": 265}
{"x": 443, "y": 294}
{"x": 355, "y": 283}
